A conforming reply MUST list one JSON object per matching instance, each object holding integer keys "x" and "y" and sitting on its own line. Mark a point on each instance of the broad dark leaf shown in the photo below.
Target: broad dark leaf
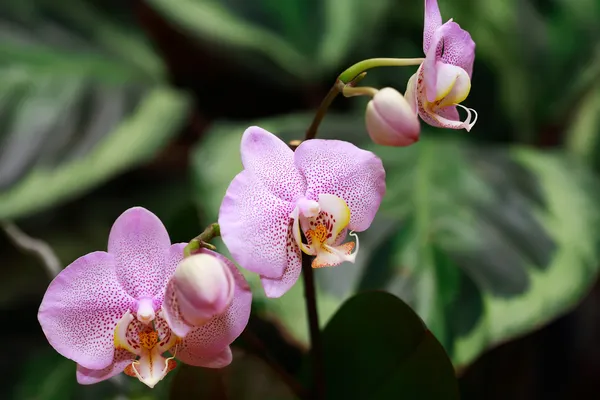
{"x": 302, "y": 38}
{"x": 81, "y": 100}
{"x": 376, "y": 347}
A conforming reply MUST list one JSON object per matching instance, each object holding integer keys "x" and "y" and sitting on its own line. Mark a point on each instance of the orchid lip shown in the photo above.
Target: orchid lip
{"x": 324, "y": 231}
{"x": 145, "y": 371}
{"x": 147, "y": 346}
{"x": 468, "y": 124}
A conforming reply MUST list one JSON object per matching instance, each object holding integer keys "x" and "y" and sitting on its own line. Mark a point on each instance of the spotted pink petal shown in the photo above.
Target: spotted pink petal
{"x": 277, "y": 287}
{"x": 254, "y": 226}
{"x": 342, "y": 169}
{"x": 458, "y": 50}
{"x": 172, "y": 312}
{"x": 209, "y": 340}
{"x": 122, "y": 359}
{"x": 173, "y": 258}
{"x": 433, "y": 20}
{"x": 271, "y": 161}
{"x": 459, "y": 47}
{"x": 139, "y": 242}
{"x": 449, "y": 113}
{"x": 81, "y": 308}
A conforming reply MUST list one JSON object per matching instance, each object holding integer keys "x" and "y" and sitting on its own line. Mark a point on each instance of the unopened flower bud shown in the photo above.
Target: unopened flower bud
{"x": 201, "y": 288}
{"x": 390, "y": 119}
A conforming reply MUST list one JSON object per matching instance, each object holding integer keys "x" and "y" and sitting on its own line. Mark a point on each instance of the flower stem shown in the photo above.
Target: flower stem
{"x": 349, "y": 78}
{"x": 316, "y": 348}
{"x": 350, "y": 91}
{"x": 201, "y": 241}
{"x": 311, "y": 132}
{"x": 351, "y": 73}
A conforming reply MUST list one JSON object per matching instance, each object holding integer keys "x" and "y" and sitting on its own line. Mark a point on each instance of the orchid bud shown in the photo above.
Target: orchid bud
{"x": 390, "y": 119}
{"x": 201, "y": 288}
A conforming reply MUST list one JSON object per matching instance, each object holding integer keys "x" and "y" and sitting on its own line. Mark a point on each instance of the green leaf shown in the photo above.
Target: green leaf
{"x": 392, "y": 355}
{"x": 583, "y": 134}
{"x": 46, "y": 375}
{"x": 50, "y": 377}
{"x": 303, "y": 38}
{"x": 485, "y": 243}
{"x": 81, "y": 100}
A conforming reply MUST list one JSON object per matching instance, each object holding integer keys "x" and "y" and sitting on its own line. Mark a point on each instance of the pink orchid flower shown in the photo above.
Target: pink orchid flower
{"x": 443, "y": 81}
{"x": 322, "y": 189}
{"x": 105, "y": 310}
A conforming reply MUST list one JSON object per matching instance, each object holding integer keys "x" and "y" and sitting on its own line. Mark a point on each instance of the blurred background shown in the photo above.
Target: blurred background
{"x": 491, "y": 236}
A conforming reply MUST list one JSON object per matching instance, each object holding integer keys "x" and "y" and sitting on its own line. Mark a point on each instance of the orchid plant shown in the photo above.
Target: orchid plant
{"x": 145, "y": 302}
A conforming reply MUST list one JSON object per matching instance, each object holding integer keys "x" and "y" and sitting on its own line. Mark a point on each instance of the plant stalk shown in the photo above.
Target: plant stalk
{"x": 355, "y": 70}
{"x": 336, "y": 89}
{"x": 201, "y": 241}
{"x": 316, "y": 348}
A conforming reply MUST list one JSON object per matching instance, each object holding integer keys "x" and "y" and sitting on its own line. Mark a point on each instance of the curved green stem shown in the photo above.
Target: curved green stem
{"x": 351, "y": 77}
{"x": 350, "y": 91}
{"x": 311, "y": 132}
{"x": 201, "y": 241}
{"x": 351, "y": 73}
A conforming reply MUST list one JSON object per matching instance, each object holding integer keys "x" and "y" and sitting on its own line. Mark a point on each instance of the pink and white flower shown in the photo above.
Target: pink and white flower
{"x": 323, "y": 189}
{"x": 106, "y": 310}
{"x": 443, "y": 81}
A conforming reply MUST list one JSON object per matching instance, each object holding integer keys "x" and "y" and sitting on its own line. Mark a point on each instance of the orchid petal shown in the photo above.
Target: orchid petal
{"x": 453, "y": 84}
{"x": 139, "y": 242}
{"x": 323, "y": 232}
{"x": 330, "y": 256}
{"x": 81, "y": 308}
{"x": 459, "y": 47}
{"x": 254, "y": 226}
{"x": 342, "y": 169}
{"x": 427, "y": 71}
{"x": 277, "y": 287}
{"x": 210, "y": 339}
{"x": 172, "y": 259}
{"x": 450, "y": 113}
{"x": 127, "y": 333}
{"x": 272, "y": 162}
{"x": 334, "y": 217}
{"x": 433, "y": 20}
{"x": 168, "y": 338}
{"x": 446, "y": 117}
{"x": 438, "y": 118}
{"x": 122, "y": 359}
{"x": 458, "y": 50}
{"x": 446, "y": 78}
